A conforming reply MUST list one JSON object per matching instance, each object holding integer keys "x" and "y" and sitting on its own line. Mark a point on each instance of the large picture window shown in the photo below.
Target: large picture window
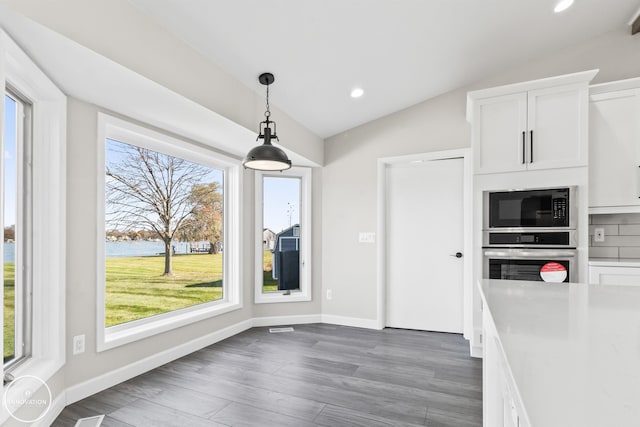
{"x": 283, "y": 218}
{"x": 164, "y": 233}
{"x": 169, "y": 246}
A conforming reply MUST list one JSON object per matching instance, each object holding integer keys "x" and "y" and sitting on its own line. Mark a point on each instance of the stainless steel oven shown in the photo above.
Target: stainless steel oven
{"x": 549, "y": 265}
{"x": 539, "y": 208}
{"x": 530, "y": 235}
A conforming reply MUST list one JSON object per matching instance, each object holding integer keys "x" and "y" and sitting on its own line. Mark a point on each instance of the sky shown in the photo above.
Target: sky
{"x": 9, "y": 217}
{"x": 280, "y": 196}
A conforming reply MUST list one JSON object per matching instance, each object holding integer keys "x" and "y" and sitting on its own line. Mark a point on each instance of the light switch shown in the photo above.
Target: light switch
{"x": 367, "y": 237}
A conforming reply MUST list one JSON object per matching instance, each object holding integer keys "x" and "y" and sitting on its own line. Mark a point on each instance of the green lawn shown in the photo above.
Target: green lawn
{"x": 136, "y": 288}
{"x": 9, "y": 325}
{"x": 268, "y": 283}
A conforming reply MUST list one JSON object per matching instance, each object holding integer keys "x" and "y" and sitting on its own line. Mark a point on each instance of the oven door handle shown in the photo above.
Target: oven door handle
{"x": 532, "y": 254}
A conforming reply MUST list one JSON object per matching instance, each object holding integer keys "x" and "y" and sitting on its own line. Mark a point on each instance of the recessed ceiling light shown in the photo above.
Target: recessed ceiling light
{"x": 563, "y": 5}
{"x": 357, "y": 92}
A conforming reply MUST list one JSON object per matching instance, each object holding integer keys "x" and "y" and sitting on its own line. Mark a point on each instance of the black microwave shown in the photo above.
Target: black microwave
{"x": 552, "y": 208}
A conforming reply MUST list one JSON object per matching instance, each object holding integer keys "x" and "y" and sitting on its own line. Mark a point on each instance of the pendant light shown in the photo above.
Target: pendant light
{"x": 267, "y": 157}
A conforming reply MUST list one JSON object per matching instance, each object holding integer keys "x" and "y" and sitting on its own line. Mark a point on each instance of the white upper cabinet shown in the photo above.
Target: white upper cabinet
{"x": 614, "y": 147}
{"x": 558, "y": 123}
{"x": 500, "y": 125}
{"x": 541, "y": 124}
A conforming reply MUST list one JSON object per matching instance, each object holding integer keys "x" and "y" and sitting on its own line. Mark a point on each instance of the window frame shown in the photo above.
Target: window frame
{"x": 111, "y": 127}
{"x": 23, "y": 312}
{"x": 304, "y": 294}
{"x": 47, "y": 239}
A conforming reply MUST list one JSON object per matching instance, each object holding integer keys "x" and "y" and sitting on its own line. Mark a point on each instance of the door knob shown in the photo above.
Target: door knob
{"x": 457, "y": 255}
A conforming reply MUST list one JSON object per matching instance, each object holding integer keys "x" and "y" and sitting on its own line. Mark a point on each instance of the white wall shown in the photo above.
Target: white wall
{"x": 349, "y": 175}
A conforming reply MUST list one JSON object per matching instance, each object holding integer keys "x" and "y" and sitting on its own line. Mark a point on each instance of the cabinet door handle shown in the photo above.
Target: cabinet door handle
{"x": 531, "y": 146}
{"x": 524, "y": 143}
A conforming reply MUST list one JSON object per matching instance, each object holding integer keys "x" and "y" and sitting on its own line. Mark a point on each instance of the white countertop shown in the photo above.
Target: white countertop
{"x": 614, "y": 262}
{"x": 573, "y": 350}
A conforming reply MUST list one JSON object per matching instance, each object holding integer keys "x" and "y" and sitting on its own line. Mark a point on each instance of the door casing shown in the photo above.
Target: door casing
{"x": 381, "y": 282}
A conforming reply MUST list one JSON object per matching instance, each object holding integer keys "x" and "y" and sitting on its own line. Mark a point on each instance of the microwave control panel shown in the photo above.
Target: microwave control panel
{"x": 559, "y": 210}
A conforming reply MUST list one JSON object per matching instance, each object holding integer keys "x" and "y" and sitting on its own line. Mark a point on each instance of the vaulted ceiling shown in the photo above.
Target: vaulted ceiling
{"x": 398, "y": 52}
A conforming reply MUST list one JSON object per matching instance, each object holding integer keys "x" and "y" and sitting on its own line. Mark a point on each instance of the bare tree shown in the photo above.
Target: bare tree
{"x": 207, "y": 219}
{"x": 149, "y": 190}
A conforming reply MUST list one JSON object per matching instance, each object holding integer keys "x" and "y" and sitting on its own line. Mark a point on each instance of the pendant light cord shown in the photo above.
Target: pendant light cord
{"x": 267, "y": 113}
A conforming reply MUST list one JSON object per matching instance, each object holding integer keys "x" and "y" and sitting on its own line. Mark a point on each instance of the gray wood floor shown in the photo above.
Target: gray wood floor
{"x": 319, "y": 375}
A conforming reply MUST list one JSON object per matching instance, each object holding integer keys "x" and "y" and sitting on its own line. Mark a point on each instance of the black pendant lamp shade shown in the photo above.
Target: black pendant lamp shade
{"x": 267, "y": 157}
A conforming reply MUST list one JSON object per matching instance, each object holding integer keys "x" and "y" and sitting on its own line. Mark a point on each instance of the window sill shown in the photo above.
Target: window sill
{"x": 277, "y": 297}
{"x": 116, "y": 336}
{"x": 42, "y": 368}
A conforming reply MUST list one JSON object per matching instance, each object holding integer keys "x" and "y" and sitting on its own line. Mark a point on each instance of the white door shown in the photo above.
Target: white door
{"x": 424, "y": 232}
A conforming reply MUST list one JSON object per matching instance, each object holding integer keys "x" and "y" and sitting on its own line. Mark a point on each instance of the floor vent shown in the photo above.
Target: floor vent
{"x": 278, "y": 330}
{"x": 90, "y": 422}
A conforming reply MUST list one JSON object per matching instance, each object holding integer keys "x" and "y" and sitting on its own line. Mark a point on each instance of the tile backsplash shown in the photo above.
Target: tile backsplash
{"x": 621, "y": 236}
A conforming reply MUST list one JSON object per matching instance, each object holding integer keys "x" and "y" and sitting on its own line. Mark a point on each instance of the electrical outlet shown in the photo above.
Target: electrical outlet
{"x": 329, "y": 294}
{"x": 598, "y": 235}
{"x": 78, "y": 344}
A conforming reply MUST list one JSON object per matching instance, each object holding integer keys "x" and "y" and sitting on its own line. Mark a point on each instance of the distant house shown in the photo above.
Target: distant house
{"x": 268, "y": 239}
{"x": 286, "y": 258}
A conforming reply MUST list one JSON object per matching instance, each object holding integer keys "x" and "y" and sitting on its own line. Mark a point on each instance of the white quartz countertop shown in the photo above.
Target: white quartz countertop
{"x": 614, "y": 262}
{"x": 573, "y": 350}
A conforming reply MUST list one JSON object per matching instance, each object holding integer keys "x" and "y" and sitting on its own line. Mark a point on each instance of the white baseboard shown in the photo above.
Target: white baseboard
{"x": 287, "y": 320}
{"x": 104, "y": 381}
{"x": 475, "y": 344}
{"x": 351, "y": 321}
{"x": 57, "y": 406}
{"x": 476, "y": 351}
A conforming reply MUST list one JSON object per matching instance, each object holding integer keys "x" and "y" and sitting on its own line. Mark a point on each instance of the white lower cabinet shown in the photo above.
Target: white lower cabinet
{"x": 501, "y": 404}
{"x": 614, "y": 275}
